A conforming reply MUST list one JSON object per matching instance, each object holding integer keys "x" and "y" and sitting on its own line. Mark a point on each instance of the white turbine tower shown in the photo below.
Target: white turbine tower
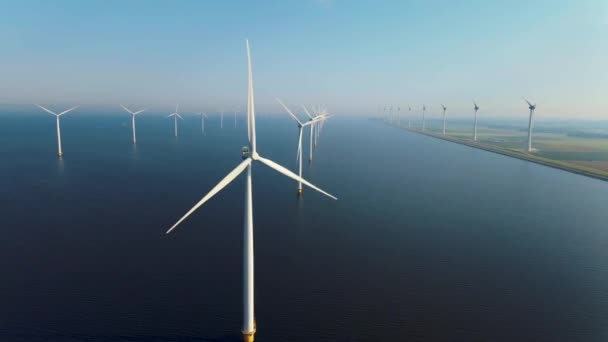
{"x": 444, "y": 109}
{"x": 133, "y": 114}
{"x": 300, "y": 129}
{"x": 423, "y": 111}
{"x": 175, "y": 115}
{"x": 222, "y": 119}
{"x": 476, "y": 108}
{"x": 203, "y": 117}
{"x": 532, "y": 107}
{"x": 250, "y": 155}
{"x": 59, "y": 151}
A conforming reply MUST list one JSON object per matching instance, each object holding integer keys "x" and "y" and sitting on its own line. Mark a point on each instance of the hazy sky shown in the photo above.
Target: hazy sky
{"x": 350, "y": 55}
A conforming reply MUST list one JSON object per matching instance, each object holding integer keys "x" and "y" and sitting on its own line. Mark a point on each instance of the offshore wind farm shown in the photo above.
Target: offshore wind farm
{"x": 377, "y": 182}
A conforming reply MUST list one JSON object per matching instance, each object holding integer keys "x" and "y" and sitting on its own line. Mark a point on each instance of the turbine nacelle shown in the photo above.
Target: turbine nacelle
{"x": 531, "y": 106}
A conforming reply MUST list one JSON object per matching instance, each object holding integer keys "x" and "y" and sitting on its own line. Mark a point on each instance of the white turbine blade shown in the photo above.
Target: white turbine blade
{"x": 139, "y": 111}
{"x": 179, "y": 116}
{"x": 170, "y": 115}
{"x": 288, "y": 111}
{"x": 222, "y": 184}
{"x": 46, "y": 110}
{"x": 306, "y": 111}
{"x": 291, "y": 175}
{"x": 127, "y": 109}
{"x": 66, "y": 111}
{"x": 251, "y": 108}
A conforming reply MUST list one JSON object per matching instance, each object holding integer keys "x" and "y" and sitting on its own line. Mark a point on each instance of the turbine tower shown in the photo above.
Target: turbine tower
{"x": 444, "y": 109}
{"x": 300, "y": 129}
{"x": 423, "y": 111}
{"x": 250, "y": 155}
{"x": 222, "y": 119}
{"x": 59, "y": 152}
{"x": 175, "y": 115}
{"x": 133, "y": 114}
{"x": 532, "y": 107}
{"x": 476, "y": 108}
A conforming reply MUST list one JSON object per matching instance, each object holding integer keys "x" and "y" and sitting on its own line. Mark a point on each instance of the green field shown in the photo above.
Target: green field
{"x": 565, "y": 148}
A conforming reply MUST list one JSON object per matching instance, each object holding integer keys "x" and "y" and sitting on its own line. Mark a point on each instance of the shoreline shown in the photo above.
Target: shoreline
{"x": 580, "y": 170}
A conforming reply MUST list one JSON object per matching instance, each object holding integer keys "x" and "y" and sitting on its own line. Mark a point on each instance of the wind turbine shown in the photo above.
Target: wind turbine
{"x": 300, "y": 129}
{"x": 444, "y": 109}
{"x": 203, "y": 116}
{"x": 423, "y": 111}
{"x": 222, "y": 119}
{"x": 133, "y": 114}
{"x": 398, "y": 116}
{"x": 409, "y": 117}
{"x": 250, "y": 155}
{"x": 59, "y": 152}
{"x": 476, "y": 108}
{"x": 175, "y": 116}
{"x": 532, "y": 107}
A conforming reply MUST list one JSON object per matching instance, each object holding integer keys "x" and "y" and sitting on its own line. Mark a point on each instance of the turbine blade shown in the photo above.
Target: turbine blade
{"x": 127, "y": 109}
{"x": 222, "y": 184}
{"x": 179, "y": 116}
{"x": 307, "y": 113}
{"x": 139, "y": 111}
{"x": 288, "y": 111}
{"x": 291, "y": 175}
{"x": 529, "y": 104}
{"x": 46, "y": 110}
{"x": 251, "y": 107}
{"x": 66, "y": 111}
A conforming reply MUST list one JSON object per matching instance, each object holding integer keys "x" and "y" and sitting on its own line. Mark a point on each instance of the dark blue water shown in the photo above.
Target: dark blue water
{"x": 429, "y": 240}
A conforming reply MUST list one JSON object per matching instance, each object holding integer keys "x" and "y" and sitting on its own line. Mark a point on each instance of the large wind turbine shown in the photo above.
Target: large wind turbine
{"x": 250, "y": 155}
{"x": 476, "y": 108}
{"x": 532, "y": 107}
{"x": 59, "y": 152}
{"x": 444, "y": 109}
{"x": 133, "y": 114}
{"x": 203, "y": 117}
{"x": 300, "y": 129}
{"x": 423, "y": 111}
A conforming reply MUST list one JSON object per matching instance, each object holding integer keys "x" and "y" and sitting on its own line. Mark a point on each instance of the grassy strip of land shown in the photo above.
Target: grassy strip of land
{"x": 578, "y": 169}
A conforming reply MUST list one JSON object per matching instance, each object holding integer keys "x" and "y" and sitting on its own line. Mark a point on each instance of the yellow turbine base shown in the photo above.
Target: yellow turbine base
{"x": 59, "y": 154}
{"x": 248, "y": 337}
{"x": 299, "y": 191}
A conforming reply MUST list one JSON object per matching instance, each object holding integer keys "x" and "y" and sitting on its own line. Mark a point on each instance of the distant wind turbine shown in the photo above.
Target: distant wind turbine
{"x": 476, "y": 108}
{"x": 203, "y": 117}
{"x": 175, "y": 115}
{"x": 409, "y": 117}
{"x": 532, "y": 107}
{"x": 250, "y": 155}
{"x": 399, "y": 116}
{"x": 59, "y": 152}
{"x": 423, "y": 111}
{"x": 222, "y": 119}
{"x": 133, "y": 114}
{"x": 301, "y": 126}
{"x": 444, "y": 109}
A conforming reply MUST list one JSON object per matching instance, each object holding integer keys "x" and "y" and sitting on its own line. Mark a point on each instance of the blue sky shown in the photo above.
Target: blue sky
{"x": 349, "y": 55}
